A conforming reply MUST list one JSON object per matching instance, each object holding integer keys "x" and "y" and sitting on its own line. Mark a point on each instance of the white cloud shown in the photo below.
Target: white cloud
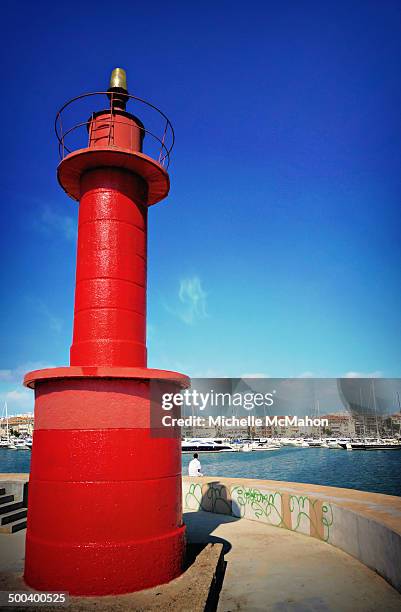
{"x": 192, "y": 301}
{"x": 307, "y": 374}
{"x": 351, "y": 374}
{"x": 19, "y": 397}
{"x": 17, "y": 374}
{"x": 5, "y": 375}
{"x": 193, "y": 298}
{"x": 18, "y": 400}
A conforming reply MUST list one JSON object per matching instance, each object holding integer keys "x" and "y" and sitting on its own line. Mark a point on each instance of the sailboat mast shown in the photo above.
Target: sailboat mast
{"x": 375, "y": 408}
{"x": 7, "y": 430}
{"x": 399, "y": 408}
{"x": 362, "y": 412}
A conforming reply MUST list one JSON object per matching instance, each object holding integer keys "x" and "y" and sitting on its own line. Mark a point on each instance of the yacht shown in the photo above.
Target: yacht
{"x": 289, "y": 442}
{"x": 19, "y": 444}
{"x": 297, "y": 442}
{"x": 246, "y": 447}
{"x": 28, "y": 442}
{"x": 370, "y": 444}
{"x": 206, "y": 445}
{"x": 317, "y": 443}
{"x": 303, "y": 443}
{"x": 336, "y": 443}
{"x": 258, "y": 444}
{"x": 263, "y": 444}
{"x": 375, "y": 444}
{"x": 332, "y": 443}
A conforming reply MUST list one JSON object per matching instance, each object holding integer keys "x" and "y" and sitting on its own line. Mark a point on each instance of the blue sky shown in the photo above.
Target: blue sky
{"x": 278, "y": 250}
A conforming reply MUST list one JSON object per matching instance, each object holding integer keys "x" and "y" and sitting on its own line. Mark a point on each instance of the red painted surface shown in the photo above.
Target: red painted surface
{"x": 130, "y": 566}
{"x": 76, "y": 372}
{"x": 110, "y": 294}
{"x": 115, "y": 141}
{"x": 72, "y": 167}
{"x": 139, "y": 455}
{"x": 121, "y": 128}
{"x": 104, "y": 513}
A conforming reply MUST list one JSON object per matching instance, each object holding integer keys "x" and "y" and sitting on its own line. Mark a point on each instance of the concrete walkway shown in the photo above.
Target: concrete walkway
{"x": 269, "y": 568}
{"x": 12, "y": 551}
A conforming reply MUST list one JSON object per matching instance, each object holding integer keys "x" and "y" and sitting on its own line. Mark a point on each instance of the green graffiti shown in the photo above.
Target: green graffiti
{"x": 327, "y": 519}
{"x": 216, "y": 495}
{"x": 302, "y": 506}
{"x": 194, "y": 495}
{"x": 262, "y": 504}
{"x": 213, "y": 499}
{"x": 297, "y": 505}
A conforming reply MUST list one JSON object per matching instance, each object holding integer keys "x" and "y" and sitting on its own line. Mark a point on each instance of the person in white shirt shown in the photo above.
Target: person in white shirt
{"x": 194, "y": 467}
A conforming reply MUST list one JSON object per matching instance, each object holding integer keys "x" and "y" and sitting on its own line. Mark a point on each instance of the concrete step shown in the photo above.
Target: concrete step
{"x": 4, "y": 499}
{"x": 13, "y": 527}
{"x": 14, "y": 515}
{"x": 18, "y": 526}
{"x": 9, "y": 507}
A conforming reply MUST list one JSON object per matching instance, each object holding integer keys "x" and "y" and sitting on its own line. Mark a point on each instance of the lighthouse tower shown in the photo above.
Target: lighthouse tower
{"x": 104, "y": 511}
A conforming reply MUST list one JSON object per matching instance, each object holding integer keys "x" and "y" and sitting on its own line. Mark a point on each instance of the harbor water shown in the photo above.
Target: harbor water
{"x": 375, "y": 471}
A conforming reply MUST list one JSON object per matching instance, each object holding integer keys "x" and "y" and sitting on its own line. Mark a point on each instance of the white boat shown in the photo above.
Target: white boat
{"x": 317, "y": 443}
{"x": 370, "y": 444}
{"x": 332, "y": 443}
{"x": 246, "y": 448}
{"x": 260, "y": 446}
{"x": 206, "y": 445}
{"x": 257, "y": 444}
{"x": 297, "y": 442}
{"x": 289, "y": 442}
{"x": 335, "y": 443}
{"x": 19, "y": 444}
{"x": 301, "y": 443}
{"x": 263, "y": 444}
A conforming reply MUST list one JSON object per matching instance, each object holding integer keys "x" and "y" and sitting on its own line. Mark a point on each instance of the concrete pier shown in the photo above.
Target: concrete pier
{"x": 284, "y": 547}
{"x": 365, "y": 525}
{"x": 277, "y": 570}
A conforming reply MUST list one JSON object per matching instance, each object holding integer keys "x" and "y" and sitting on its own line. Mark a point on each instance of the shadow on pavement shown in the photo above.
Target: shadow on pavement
{"x": 215, "y": 508}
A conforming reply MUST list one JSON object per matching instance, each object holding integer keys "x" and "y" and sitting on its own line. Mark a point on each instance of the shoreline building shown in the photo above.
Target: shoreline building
{"x": 340, "y": 424}
{"x": 19, "y": 423}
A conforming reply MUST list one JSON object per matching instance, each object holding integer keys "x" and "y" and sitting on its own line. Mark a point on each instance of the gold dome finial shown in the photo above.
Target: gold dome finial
{"x": 118, "y": 79}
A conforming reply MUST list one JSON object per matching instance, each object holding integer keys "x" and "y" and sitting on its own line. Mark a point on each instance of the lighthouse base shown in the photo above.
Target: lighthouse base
{"x": 104, "y": 508}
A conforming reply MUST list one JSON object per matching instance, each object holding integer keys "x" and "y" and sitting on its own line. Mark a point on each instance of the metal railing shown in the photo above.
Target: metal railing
{"x": 165, "y": 141}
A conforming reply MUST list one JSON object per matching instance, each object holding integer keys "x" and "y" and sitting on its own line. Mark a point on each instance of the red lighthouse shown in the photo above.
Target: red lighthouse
{"x": 104, "y": 513}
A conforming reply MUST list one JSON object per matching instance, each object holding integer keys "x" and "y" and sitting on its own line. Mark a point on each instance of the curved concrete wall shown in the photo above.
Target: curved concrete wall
{"x": 365, "y": 525}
